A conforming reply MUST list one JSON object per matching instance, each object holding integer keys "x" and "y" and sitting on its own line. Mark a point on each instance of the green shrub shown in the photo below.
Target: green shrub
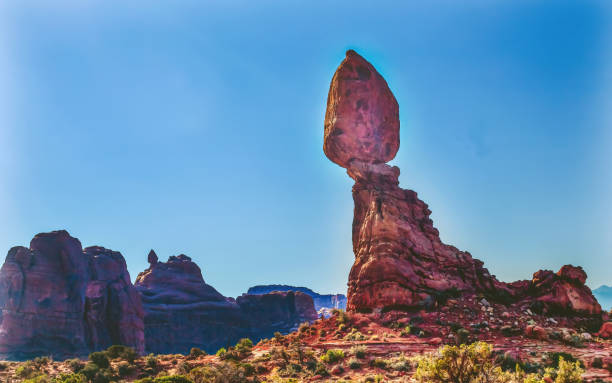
{"x": 244, "y": 345}
{"x": 90, "y": 370}
{"x": 342, "y": 317}
{"x": 100, "y": 359}
{"x": 401, "y": 363}
{"x": 124, "y": 369}
{"x": 221, "y": 352}
{"x": 378, "y": 363}
{"x": 304, "y": 327}
{"x": 332, "y": 356}
{"x": 462, "y": 336}
{"x": 359, "y": 352}
{"x": 196, "y": 352}
{"x": 354, "y": 364}
{"x": 151, "y": 361}
{"x": 71, "y": 378}
{"x": 38, "y": 379}
{"x": 26, "y": 371}
{"x": 172, "y": 379}
{"x": 122, "y": 352}
{"x": 75, "y": 365}
{"x": 405, "y": 331}
{"x": 553, "y": 358}
{"x": 321, "y": 370}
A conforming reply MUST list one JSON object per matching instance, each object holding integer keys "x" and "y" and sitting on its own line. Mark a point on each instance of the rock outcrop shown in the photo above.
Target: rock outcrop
{"x": 321, "y": 301}
{"x": 182, "y": 311}
{"x": 281, "y": 311}
{"x": 400, "y": 261}
{"x": 59, "y": 300}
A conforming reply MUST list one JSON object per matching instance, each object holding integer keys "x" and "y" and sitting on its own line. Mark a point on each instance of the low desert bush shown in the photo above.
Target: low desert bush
{"x": 100, "y": 359}
{"x": 354, "y": 364}
{"x": 359, "y": 352}
{"x": 118, "y": 351}
{"x": 332, "y": 356}
{"x": 474, "y": 363}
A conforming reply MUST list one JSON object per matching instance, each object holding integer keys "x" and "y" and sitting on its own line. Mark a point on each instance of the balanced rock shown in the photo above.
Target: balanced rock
{"x": 400, "y": 261}
{"x": 362, "y": 117}
{"x": 58, "y": 300}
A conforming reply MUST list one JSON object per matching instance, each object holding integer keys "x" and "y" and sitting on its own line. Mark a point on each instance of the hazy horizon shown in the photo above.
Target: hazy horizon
{"x": 198, "y": 129}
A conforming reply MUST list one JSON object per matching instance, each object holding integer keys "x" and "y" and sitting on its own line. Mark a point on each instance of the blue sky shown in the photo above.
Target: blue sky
{"x": 197, "y": 127}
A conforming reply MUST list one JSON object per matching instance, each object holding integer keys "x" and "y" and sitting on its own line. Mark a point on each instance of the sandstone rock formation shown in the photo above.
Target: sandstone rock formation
{"x": 321, "y": 301}
{"x": 281, "y": 311}
{"x": 400, "y": 261}
{"x": 182, "y": 311}
{"x": 563, "y": 292}
{"x": 59, "y": 300}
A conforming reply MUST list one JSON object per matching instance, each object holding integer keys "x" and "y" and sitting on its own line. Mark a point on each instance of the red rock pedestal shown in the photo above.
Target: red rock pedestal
{"x": 400, "y": 261}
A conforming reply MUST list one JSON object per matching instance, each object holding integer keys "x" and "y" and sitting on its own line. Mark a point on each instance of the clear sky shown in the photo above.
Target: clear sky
{"x": 196, "y": 127}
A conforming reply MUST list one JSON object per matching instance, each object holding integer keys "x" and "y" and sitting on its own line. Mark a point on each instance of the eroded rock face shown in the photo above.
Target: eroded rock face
{"x": 321, "y": 301}
{"x": 563, "y": 292}
{"x": 58, "y": 300}
{"x": 182, "y": 311}
{"x": 400, "y": 261}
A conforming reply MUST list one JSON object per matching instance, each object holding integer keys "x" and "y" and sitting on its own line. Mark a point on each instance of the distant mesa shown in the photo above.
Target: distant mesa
{"x": 604, "y": 295}
{"x": 323, "y": 302}
{"x": 400, "y": 261}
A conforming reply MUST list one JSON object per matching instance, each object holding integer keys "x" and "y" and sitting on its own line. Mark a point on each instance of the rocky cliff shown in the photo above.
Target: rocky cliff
{"x": 182, "y": 311}
{"x": 59, "y": 300}
{"x": 321, "y": 301}
{"x": 400, "y": 261}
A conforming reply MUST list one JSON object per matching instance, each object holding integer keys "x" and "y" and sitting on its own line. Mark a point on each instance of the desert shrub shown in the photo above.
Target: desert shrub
{"x": 183, "y": 368}
{"x": 332, "y": 356}
{"x": 100, "y": 359}
{"x": 90, "y": 370}
{"x": 321, "y": 370}
{"x": 354, "y": 335}
{"x": 462, "y": 336}
{"x": 359, "y": 352}
{"x": 172, "y": 379}
{"x": 342, "y": 317}
{"x": 401, "y": 363}
{"x": 597, "y": 363}
{"x": 354, "y": 364}
{"x": 405, "y": 331}
{"x": 304, "y": 327}
{"x": 278, "y": 336}
{"x": 71, "y": 378}
{"x": 221, "y": 352}
{"x": 103, "y": 376}
{"x": 151, "y": 361}
{"x": 75, "y": 365}
{"x": 124, "y": 369}
{"x": 553, "y": 359}
{"x": 38, "y": 379}
{"x": 458, "y": 364}
{"x": 196, "y": 352}
{"x": 244, "y": 345}
{"x": 41, "y": 361}
{"x": 222, "y": 373}
{"x": 26, "y": 371}
{"x": 378, "y": 363}
{"x": 122, "y": 352}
